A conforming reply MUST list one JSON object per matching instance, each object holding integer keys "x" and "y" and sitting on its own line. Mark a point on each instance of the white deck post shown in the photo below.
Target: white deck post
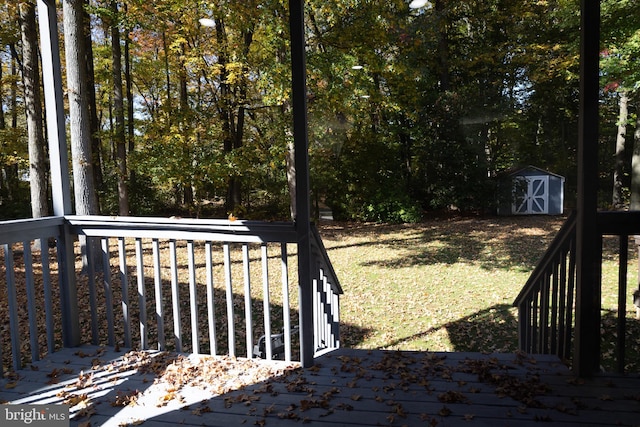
{"x": 58, "y": 159}
{"x": 301, "y": 161}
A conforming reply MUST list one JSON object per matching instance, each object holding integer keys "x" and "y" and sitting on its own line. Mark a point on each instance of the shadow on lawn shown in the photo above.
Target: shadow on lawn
{"x": 493, "y": 329}
{"x": 494, "y": 242}
{"x": 609, "y": 338}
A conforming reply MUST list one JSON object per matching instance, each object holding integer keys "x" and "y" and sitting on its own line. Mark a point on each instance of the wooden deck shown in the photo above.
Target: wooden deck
{"x": 345, "y": 388}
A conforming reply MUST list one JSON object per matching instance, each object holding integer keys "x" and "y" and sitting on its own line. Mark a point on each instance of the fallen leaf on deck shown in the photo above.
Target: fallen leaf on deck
{"x": 444, "y": 411}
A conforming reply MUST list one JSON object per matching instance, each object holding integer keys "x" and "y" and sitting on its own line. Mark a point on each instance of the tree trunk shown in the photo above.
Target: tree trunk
{"x": 618, "y": 172}
{"x": 443, "y": 45}
{"x": 226, "y": 114}
{"x": 11, "y": 169}
{"x": 80, "y": 135}
{"x": 129, "y": 88}
{"x": 232, "y": 122}
{"x": 2, "y": 124}
{"x": 635, "y": 168}
{"x": 635, "y": 193}
{"x": 167, "y": 74}
{"x": 118, "y": 105}
{"x": 14, "y": 88}
{"x": 187, "y": 179}
{"x": 33, "y": 107}
{"x": 291, "y": 176}
{"x": 94, "y": 124}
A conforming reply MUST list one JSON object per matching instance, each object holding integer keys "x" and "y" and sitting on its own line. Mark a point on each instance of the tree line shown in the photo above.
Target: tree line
{"x": 183, "y": 106}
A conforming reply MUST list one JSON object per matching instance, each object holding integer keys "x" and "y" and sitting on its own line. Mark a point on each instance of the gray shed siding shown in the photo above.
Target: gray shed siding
{"x": 531, "y": 191}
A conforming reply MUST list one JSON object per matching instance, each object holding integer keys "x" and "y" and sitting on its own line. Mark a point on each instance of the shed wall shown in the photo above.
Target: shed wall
{"x": 555, "y": 191}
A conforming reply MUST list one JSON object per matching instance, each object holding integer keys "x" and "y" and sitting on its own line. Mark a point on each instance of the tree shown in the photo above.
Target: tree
{"x": 617, "y": 200}
{"x": 621, "y": 77}
{"x": 441, "y": 101}
{"x": 94, "y": 124}
{"x": 86, "y": 202}
{"x": 635, "y": 168}
{"x": 14, "y": 156}
{"x": 33, "y": 104}
{"x": 118, "y": 103}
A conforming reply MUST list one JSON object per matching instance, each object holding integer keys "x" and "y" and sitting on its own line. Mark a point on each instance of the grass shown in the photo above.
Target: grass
{"x": 449, "y": 284}
{"x": 442, "y": 285}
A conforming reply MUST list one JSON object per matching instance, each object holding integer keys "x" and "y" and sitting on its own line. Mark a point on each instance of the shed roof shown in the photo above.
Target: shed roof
{"x": 543, "y": 171}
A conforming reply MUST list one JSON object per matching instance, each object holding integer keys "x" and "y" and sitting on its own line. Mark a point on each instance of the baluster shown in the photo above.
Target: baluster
{"x": 175, "y": 296}
{"x": 229, "y": 293}
{"x": 106, "y": 282}
{"x": 554, "y": 309}
{"x": 193, "y": 298}
{"x": 571, "y": 289}
{"x": 543, "y": 345}
{"x": 317, "y": 338}
{"x": 87, "y": 260}
{"x": 562, "y": 306}
{"x": 31, "y": 301}
{"x": 48, "y": 305}
{"x": 142, "y": 294}
{"x": 124, "y": 283}
{"x": 266, "y": 303}
{"x": 247, "y": 299}
{"x": 157, "y": 282}
{"x": 213, "y": 349}
{"x": 535, "y": 324}
{"x": 286, "y": 311}
{"x": 13, "y": 307}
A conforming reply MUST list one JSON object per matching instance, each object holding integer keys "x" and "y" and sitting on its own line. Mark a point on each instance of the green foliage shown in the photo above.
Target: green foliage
{"x": 14, "y": 163}
{"x": 409, "y": 110}
{"x": 12, "y": 201}
{"x": 391, "y": 210}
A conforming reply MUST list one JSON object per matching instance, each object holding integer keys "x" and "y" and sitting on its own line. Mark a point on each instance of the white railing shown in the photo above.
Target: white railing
{"x": 200, "y": 286}
{"x": 28, "y": 280}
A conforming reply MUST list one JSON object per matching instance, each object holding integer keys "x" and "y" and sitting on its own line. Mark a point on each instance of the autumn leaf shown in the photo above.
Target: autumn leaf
{"x": 77, "y": 399}
{"x": 452, "y": 397}
{"x": 444, "y": 411}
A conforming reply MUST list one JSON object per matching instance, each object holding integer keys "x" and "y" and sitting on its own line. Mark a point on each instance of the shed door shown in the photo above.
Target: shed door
{"x": 531, "y": 195}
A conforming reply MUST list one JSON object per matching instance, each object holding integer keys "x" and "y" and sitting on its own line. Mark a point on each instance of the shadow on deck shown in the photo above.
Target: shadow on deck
{"x": 346, "y": 387}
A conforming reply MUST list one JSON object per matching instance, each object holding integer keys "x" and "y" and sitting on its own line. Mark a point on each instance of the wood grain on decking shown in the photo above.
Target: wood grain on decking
{"x": 345, "y": 388}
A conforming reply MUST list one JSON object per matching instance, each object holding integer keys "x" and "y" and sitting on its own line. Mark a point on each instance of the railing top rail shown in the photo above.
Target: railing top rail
{"x": 184, "y": 228}
{"x": 618, "y": 223}
{"x": 565, "y": 232}
{"x": 21, "y": 230}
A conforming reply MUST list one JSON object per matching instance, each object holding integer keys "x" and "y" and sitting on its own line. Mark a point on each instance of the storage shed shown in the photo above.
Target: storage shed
{"x": 531, "y": 191}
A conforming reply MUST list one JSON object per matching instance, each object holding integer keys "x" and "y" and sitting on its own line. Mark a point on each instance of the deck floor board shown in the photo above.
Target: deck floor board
{"x": 346, "y": 388}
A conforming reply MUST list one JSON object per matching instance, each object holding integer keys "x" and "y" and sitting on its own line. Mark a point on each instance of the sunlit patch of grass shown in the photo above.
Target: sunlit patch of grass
{"x": 448, "y": 285}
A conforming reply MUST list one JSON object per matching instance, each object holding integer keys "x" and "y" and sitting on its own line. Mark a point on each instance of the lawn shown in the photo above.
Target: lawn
{"x": 445, "y": 284}
{"x": 441, "y": 285}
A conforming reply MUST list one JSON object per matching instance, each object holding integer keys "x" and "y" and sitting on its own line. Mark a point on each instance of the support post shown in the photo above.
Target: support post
{"x": 586, "y": 358}
{"x": 301, "y": 160}
{"x": 58, "y": 160}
